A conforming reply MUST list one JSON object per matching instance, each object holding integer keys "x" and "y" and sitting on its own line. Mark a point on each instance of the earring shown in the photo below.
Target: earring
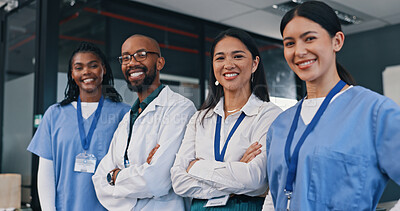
{"x": 216, "y": 83}
{"x": 252, "y": 77}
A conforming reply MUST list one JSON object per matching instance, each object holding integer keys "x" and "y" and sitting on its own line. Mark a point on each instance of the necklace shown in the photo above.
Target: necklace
{"x": 234, "y": 110}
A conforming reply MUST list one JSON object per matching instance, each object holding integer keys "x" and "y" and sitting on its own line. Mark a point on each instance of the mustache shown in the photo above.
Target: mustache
{"x": 144, "y": 68}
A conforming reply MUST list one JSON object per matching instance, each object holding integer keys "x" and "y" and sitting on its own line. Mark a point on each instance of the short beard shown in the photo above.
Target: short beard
{"x": 147, "y": 81}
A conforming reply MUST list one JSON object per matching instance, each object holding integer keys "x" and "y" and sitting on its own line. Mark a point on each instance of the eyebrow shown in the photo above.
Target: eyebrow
{"x": 81, "y": 63}
{"x": 221, "y": 53}
{"x": 301, "y": 36}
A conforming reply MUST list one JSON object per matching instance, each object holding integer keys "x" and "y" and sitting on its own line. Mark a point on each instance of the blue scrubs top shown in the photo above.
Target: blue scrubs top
{"x": 57, "y": 139}
{"x": 345, "y": 163}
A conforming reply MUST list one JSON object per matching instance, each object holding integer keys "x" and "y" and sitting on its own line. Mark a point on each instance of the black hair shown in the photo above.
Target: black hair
{"x": 72, "y": 90}
{"x": 258, "y": 84}
{"x": 320, "y": 13}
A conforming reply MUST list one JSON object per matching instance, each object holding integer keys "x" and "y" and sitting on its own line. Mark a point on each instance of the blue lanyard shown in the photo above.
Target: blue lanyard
{"x": 85, "y": 141}
{"x": 220, "y": 156}
{"x": 292, "y": 162}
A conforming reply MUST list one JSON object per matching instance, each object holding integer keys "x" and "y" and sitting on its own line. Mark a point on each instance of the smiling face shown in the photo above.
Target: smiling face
{"x": 87, "y": 72}
{"x": 141, "y": 75}
{"x": 310, "y": 51}
{"x": 233, "y": 65}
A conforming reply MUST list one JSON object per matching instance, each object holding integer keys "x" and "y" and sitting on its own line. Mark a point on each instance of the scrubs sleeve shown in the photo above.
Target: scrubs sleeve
{"x": 41, "y": 143}
{"x": 387, "y": 131}
{"x": 154, "y": 179}
{"x": 183, "y": 183}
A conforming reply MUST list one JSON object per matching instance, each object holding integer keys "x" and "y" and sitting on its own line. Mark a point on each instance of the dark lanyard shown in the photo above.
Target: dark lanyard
{"x": 220, "y": 156}
{"x": 292, "y": 162}
{"x": 126, "y": 161}
{"x": 85, "y": 140}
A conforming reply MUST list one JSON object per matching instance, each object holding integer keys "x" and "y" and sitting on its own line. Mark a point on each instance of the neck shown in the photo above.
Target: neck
{"x": 322, "y": 89}
{"x": 90, "y": 97}
{"x": 145, "y": 93}
{"x": 234, "y": 101}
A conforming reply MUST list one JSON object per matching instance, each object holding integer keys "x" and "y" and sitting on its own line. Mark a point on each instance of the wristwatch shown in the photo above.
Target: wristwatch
{"x": 110, "y": 178}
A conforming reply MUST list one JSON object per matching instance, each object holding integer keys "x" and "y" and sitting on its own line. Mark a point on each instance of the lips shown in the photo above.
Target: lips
{"x": 88, "y": 80}
{"x": 230, "y": 75}
{"x": 306, "y": 63}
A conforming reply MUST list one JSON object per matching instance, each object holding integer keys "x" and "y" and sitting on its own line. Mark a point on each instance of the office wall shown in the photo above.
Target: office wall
{"x": 367, "y": 54}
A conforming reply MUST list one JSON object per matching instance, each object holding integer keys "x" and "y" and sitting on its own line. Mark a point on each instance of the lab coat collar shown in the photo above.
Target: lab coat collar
{"x": 251, "y": 108}
{"x": 161, "y": 100}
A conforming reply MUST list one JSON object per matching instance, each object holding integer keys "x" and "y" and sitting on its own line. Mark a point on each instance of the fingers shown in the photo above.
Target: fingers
{"x": 251, "y": 152}
{"x": 151, "y": 154}
{"x": 191, "y": 164}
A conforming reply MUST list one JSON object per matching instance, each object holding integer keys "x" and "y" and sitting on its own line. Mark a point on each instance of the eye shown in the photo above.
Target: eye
{"x": 78, "y": 68}
{"x": 126, "y": 58}
{"x": 94, "y": 66}
{"x": 141, "y": 54}
{"x": 310, "y": 38}
{"x": 218, "y": 58}
{"x": 288, "y": 44}
{"x": 238, "y": 56}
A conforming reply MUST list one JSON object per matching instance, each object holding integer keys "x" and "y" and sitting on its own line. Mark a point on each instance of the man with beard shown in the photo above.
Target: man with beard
{"x": 135, "y": 173}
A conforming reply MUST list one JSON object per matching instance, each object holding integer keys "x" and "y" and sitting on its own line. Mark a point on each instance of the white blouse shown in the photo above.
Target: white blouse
{"x": 209, "y": 178}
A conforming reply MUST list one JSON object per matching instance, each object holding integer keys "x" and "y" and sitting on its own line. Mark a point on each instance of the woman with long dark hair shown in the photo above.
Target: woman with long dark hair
{"x": 336, "y": 148}
{"x": 75, "y": 134}
{"x": 222, "y": 162}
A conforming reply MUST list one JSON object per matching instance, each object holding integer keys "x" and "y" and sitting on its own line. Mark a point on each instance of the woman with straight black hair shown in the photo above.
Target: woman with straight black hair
{"x": 75, "y": 134}
{"x": 335, "y": 149}
{"x": 237, "y": 111}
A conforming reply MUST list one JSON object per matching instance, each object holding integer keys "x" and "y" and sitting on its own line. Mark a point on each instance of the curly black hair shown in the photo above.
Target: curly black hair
{"x": 108, "y": 90}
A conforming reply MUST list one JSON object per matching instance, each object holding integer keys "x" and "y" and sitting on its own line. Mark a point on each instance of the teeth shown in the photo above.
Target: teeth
{"x": 88, "y": 80}
{"x": 231, "y": 74}
{"x": 306, "y": 63}
{"x": 136, "y": 74}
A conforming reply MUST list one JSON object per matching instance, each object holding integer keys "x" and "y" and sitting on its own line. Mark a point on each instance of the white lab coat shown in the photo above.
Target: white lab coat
{"x": 144, "y": 186}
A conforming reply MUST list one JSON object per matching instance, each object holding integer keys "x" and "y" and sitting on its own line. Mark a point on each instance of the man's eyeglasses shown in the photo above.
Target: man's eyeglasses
{"x": 138, "y": 56}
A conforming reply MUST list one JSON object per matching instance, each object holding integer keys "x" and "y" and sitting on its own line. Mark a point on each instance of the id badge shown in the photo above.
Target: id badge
{"x": 217, "y": 201}
{"x": 85, "y": 162}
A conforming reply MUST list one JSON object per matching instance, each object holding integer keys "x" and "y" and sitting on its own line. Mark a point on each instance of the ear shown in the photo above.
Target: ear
{"x": 104, "y": 69}
{"x": 338, "y": 41}
{"x": 160, "y": 63}
{"x": 256, "y": 61}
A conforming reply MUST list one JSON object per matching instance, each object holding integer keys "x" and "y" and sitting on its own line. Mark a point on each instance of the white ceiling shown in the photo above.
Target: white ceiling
{"x": 252, "y": 16}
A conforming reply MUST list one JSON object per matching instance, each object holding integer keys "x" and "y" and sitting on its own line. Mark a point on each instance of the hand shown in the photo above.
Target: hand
{"x": 151, "y": 154}
{"x": 251, "y": 152}
{"x": 114, "y": 174}
{"x": 191, "y": 164}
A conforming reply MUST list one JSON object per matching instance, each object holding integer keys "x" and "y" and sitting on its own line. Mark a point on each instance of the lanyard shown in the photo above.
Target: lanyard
{"x": 292, "y": 162}
{"x": 85, "y": 140}
{"x": 220, "y": 156}
{"x": 126, "y": 160}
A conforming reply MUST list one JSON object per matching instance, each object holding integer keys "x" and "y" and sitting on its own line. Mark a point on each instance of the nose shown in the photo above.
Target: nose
{"x": 300, "y": 50}
{"x": 229, "y": 63}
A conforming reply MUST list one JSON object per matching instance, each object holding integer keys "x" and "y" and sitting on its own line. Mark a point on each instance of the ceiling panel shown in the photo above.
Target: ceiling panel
{"x": 259, "y": 22}
{"x": 206, "y": 9}
{"x": 260, "y": 4}
{"x": 249, "y": 14}
{"x": 374, "y": 8}
{"x": 372, "y": 24}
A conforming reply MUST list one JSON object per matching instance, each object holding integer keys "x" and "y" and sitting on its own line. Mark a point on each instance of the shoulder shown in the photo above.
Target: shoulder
{"x": 367, "y": 98}
{"x": 284, "y": 116}
{"x": 116, "y": 105}
{"x": 170, "y": 98}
